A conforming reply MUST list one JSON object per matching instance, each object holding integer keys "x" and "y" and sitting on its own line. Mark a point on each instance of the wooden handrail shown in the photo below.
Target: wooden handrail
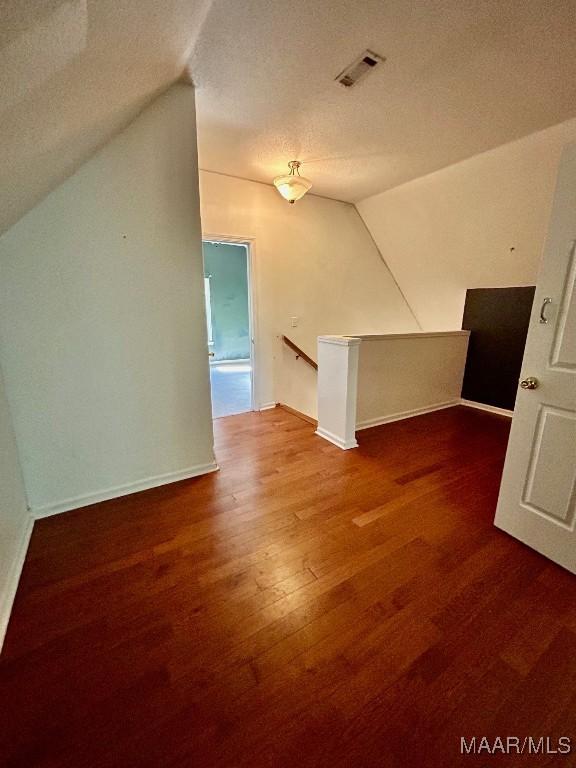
{"x": 299, "y": 352}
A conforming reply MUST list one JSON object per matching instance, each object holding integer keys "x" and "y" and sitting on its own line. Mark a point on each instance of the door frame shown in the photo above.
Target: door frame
{"x": 249, "y": 243}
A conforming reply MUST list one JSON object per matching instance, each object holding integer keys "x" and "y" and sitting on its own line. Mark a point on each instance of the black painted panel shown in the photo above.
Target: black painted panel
{"x": 498, "y": 319}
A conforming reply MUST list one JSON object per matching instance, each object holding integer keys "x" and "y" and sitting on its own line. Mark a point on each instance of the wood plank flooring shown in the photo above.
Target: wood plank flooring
{"x": 305, "y": 606}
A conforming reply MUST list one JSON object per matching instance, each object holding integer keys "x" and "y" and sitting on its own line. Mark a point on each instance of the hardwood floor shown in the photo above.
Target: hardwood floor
{"x": 305, "y": 606}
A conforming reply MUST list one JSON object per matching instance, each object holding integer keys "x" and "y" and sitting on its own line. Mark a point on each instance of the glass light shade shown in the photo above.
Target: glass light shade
{"x": 292, "y": 187}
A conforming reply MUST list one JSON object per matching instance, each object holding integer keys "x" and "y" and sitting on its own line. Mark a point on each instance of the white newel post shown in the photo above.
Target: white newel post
{"x": 337, "y": 389}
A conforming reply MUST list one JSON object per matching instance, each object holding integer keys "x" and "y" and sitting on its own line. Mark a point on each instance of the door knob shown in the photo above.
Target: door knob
{"x": 529, "y": 383}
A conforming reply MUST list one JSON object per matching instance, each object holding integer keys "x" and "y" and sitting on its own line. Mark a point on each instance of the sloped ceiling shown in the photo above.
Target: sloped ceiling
{"x": 461, "y": 76}
{"x": 72, "y": 74}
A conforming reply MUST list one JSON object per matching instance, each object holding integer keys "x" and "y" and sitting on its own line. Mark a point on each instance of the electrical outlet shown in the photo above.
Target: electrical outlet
{"x": 293, "y": 322}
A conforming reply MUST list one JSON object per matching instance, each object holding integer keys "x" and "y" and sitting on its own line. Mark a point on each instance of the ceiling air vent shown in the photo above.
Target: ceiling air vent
{"x": 359, "y": 69}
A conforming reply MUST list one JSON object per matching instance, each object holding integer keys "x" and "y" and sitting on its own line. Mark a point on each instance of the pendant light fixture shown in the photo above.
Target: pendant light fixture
{"x": 292, "y": 186}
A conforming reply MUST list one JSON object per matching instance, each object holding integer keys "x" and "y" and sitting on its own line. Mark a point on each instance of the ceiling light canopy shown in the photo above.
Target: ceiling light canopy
{"x": 293, "y": 186}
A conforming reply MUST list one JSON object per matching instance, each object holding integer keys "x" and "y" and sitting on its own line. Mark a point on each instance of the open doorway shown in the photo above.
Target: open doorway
{"x": 228, "y": 313}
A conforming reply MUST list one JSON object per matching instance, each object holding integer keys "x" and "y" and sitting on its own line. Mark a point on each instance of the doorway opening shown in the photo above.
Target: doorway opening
{"x": 228, "y": 298}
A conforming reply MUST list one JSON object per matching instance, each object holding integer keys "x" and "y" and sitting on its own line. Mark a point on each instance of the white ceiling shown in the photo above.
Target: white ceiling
{"x": 72, "y": 74}
{"x": 461, "y": 76}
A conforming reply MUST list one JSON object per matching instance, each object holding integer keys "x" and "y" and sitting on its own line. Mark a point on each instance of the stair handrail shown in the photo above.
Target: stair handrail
{"x": 299, "y": 352}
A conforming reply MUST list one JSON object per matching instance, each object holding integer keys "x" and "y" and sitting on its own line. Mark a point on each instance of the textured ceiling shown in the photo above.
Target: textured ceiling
{"x": 73, "y": 73}
{"x": 461, "y": 76}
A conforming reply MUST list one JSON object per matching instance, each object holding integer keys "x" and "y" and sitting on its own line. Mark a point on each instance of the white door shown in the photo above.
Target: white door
{"x": 537, "y": 502}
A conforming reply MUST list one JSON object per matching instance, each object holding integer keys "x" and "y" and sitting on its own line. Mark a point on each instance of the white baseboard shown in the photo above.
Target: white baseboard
{"x": 489, "y": 408}
{"x": 267, "y": 406}
{"x": 9, "y": 592}
{"x": 379, "y": 420}
{"x": 66, "y": 505}
{"x": 335, "y": 440}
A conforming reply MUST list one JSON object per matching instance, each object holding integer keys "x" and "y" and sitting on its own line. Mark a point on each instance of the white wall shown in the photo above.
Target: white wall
{"x": 402, "y": 375}
{"x": 454, "y": 229}
{"x": 15, "y": 522}
{"x": 102, "y": 320}
{"x": 314, "y": 260}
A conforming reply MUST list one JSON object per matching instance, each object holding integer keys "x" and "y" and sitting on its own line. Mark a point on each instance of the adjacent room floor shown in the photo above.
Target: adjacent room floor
{"x": 231, "y": 388}
{"x": 305, "y": 606}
